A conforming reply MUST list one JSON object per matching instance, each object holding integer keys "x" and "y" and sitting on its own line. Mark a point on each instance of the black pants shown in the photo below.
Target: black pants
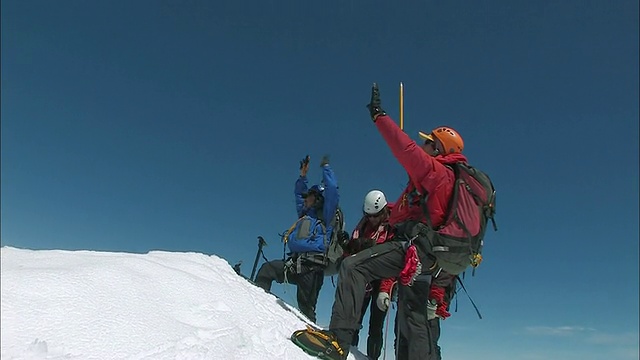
{"x": 376, "y": 322}
{"x": 416, "y": 338}
{"x": 309, "y": 282}
{"x": 377, "y": 262}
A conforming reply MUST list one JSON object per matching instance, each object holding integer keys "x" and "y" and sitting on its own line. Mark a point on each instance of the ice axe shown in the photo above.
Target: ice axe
{"x": 401, "y": 106}
{"x": 261, "y": 244}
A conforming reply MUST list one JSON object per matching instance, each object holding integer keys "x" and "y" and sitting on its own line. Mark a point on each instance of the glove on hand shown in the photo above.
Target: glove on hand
{"x": 442, "y": 312}
{"x": 375, "y": 108}
{"x": 436, "y": 296}
{"x": 437, "y": 311}
{"x": 436, "y": 293}
{"x": 359, "y": 244}
{"x": 364, "y": 243}
{"x": 324, "y": 161}
{"x": 343, "y": 238}
{"x": 432, "y": 307}
{"x": 383, "y": 301}
{"x": 304, "y": 166}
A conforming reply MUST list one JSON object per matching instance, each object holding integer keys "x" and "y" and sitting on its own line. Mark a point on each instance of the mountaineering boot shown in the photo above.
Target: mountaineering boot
{"x": 321, "y": 343}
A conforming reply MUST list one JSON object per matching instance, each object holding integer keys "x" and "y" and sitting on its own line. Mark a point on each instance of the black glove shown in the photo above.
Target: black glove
{"x": 343, "y": 238}
{"x": 304, "y": 162}
{"x": 324, "y": 161}
{"x": 375, "y": 108}
{"x": 304, "y": 166}
{"x": 359, "y": 244}
{"x": 365, "y": 243}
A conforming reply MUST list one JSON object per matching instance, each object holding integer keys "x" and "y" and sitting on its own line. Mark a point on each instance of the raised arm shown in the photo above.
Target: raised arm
{"x": 413, "y": 159}
{"x": 300, "y": 188}
{"x": 331, "y": 196}
{"x": 423, "y": 170}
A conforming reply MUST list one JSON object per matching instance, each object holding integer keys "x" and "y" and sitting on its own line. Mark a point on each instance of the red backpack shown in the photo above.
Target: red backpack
{"x": 460, "y": 238}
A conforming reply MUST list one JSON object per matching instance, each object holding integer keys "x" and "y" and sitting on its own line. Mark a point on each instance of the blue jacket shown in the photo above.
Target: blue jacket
{"x": 308, "y": 234}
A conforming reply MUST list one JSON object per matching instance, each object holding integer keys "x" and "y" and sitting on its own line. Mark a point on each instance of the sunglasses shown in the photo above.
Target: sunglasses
{"x": 374, "y": 216}
{"x": 433, "y": 144}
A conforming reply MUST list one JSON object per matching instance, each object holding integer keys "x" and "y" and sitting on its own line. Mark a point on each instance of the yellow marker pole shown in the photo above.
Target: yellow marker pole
{"x": 401, "y": 106}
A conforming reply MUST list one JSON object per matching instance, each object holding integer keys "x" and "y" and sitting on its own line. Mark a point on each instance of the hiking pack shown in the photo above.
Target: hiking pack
{"x": 458, "y": 242}
{"x": 334, "y": 251}
{"x": 306, "y": 231}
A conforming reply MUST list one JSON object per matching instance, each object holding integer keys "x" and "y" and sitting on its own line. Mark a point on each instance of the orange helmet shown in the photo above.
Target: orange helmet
{"x": 449, "y": 138}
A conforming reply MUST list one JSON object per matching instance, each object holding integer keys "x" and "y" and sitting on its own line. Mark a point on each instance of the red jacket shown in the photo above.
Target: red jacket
{"x": 426, "y": 174}
{"x": 387, "y": 284}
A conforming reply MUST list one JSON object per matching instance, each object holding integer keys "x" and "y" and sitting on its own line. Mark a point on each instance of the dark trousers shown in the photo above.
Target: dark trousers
{"x": 308, "y": 282}
{"x": 376, "y": 322}
{"x": 416, "y": 338}
{"x": 377, "y": 262}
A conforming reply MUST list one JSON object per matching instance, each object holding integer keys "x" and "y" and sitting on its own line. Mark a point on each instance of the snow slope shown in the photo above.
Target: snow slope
{"x": 161, "y": 305}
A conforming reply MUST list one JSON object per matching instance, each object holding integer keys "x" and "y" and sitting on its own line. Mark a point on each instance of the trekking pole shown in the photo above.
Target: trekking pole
{"x": 386, "y": 331}
{"x": 237, "y": 269}
{"x": 261, "y": 244}
{"x": 396, "y": 326}
{"x": 283, "y": 237}
{"x": 386, "y": 334}
{"x": 401, "y": 106}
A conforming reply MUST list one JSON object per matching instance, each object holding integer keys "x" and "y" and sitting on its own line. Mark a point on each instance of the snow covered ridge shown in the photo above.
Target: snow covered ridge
{"x": 161, "y": 305}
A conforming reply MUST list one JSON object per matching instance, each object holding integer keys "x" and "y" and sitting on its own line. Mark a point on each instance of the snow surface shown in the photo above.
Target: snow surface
{"x": 161, "y": 305}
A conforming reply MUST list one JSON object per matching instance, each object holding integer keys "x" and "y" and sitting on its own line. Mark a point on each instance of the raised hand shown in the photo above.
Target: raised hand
{"x": 324, "y": 161}
{"x": 432, "y": 307}
{"x": 383, "y": 301}
{"x": 304, "y": 166}
{"x": 375, "y": 105}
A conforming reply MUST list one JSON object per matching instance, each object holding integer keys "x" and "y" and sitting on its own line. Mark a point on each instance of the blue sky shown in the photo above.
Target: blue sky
{"x": 131, "y": 126}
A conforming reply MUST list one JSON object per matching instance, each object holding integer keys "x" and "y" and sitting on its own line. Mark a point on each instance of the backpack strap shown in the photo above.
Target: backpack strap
{"x": 486, "y": 182}
{"x": 285, "y": 235}
{"x": 321, "y": 219}
{"x": 336, "y": 223}
{"x": 470, "y": 299}
{"x": 454, "y": 195}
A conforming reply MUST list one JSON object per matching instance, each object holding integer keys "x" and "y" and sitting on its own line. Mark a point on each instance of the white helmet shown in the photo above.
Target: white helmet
{"x": 374, "y": 202}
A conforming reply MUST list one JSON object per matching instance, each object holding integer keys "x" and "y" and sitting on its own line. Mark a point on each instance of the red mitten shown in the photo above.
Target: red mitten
{"x": 437, "y": 293}
{"x": 441, "y": 311}
{"x": 411, "y": 265}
